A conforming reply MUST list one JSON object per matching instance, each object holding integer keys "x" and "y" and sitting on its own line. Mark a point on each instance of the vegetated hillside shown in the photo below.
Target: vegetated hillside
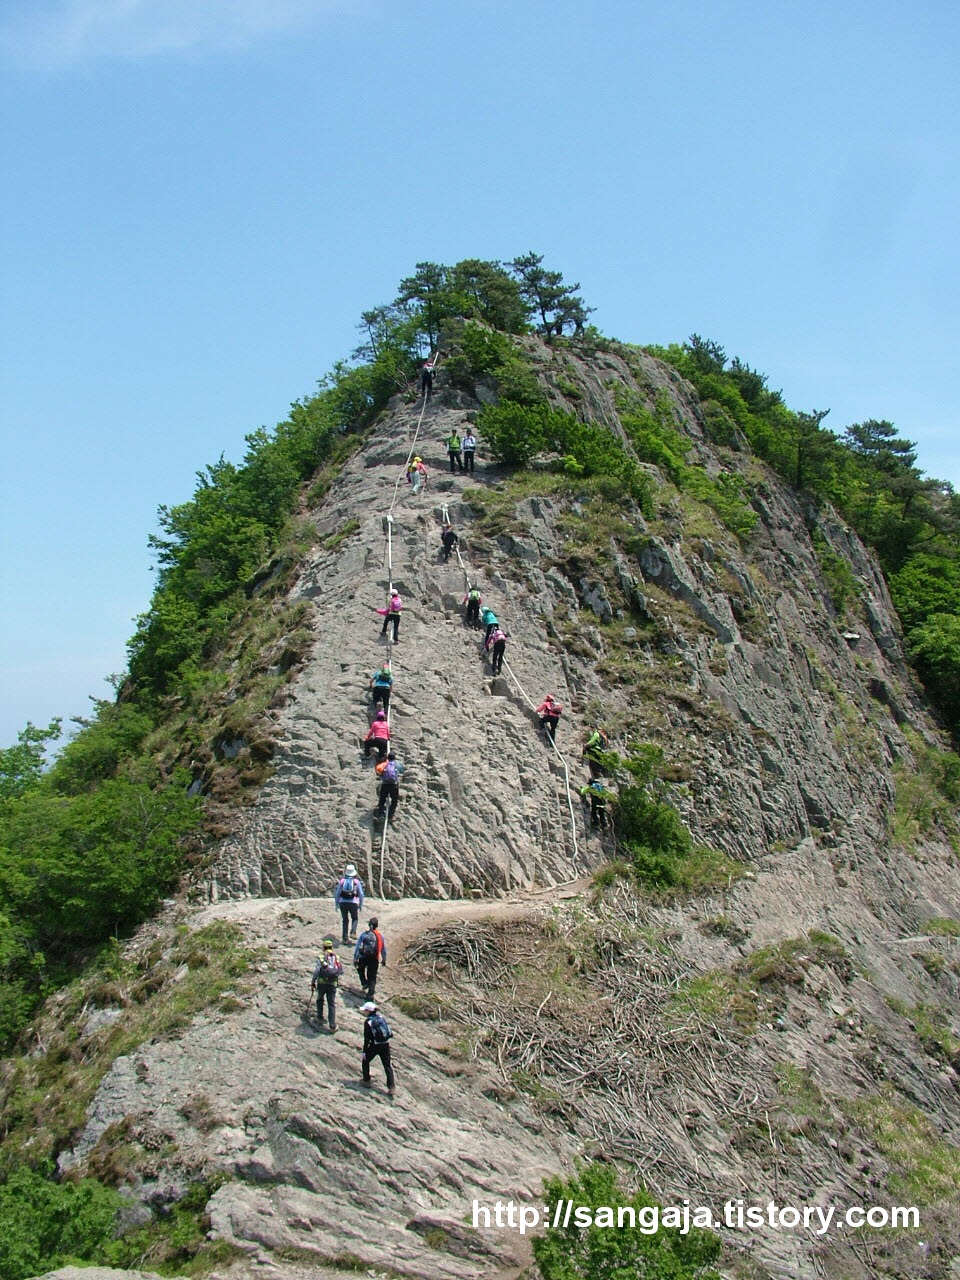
{"x": 754, "y": 996}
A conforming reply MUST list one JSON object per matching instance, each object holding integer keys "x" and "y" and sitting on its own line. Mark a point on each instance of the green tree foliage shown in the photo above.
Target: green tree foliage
{"x": 934, "y": 647}
{"x": 77, "y": 869}
{"x": 21, "y": 766}
{"x": 516, "y": 432}
{"x": 114, "y": 734}
{"x": 613, "y": 1252}
{"x": 46, "y": 1225}
{"x": 652, "y": 834}
{"x": 80, "y": 863}
{"x": 926, "y": 585}
{"x": 555, "y": 305}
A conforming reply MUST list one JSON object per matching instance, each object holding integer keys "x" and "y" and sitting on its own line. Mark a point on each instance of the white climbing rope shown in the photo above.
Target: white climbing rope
{"x": 388, "y": 630}
{"x": 560, "y": 757}
{"x": 566, "y": 771}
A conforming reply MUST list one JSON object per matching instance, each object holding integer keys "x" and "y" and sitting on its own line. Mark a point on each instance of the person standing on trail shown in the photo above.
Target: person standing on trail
{"x": 376, "y": 1044}
{"x": 549, "y": 712}
{"x": 469, "y": 449}
{"x": 369, "y": 953}
{"x": 417, "y": 475}
{"x": 596, "y": 745}
{"x": 389, "y": 771}
{"x": 598, "y": 796}
{"x": 348, "y": 899}
{"x": 448, "y": 541}
{"x": 378, "y": 735}
{"x": 496, "y": 642}
{"x": 473, "y": 600}
{"x": 426, "y": 378}
{"x": 381, "y": 685}
{"x": 392, "y": 614}
{"x": 325, "y": 980}
{"x": 454, "y": 446}
{"x": 489, "y": 620}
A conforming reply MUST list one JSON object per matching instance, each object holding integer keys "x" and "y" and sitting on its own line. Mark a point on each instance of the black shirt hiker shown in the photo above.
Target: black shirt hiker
{"x": 376, "y": 1044}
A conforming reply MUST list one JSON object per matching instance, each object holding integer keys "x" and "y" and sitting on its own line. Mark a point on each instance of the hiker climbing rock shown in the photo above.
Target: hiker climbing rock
{"x": 495, "y": 643}
{"x": 369, "y": 953}
{"x": 448, "y": 540}
{"x": 417, "y": 475}
{"x": 596, "y": 745}
{"x": 392, "y": 614}
{"x": 348, "y": 899}
{"x": 426, "y": 378}
{"x": 489, "y": 620}
{"x": 454, "y": 446}
{"x": 378, "y": 735}
{"x": 381, "y": 686}
{"x": 598, "y": 796}
{"x": 469, "y": 449}
{"x": 389, "y": 771}
{"x": 376, "y": 1044}
{"x": 549, "y": 712}
{"x": 473, "y": 600}
{"x": 325, "y": 980}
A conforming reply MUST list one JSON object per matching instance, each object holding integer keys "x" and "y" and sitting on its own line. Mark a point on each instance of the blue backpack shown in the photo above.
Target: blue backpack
{"x": 378, "y": 1028}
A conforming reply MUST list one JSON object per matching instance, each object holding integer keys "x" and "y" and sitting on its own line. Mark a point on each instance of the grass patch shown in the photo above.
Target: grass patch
{"x": 717, "y": 996}
{"x": 925, "y": 1169}
{"x": 788, "y": 961}
{"x": 932, "y": 1028}
{"x": 927, "y": 794}
{"x": 333, "y": 540}
{"x": 943, "y": 927}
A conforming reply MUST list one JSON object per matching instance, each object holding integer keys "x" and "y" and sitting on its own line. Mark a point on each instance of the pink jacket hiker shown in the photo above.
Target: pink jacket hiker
{"x": 395, "y": 605}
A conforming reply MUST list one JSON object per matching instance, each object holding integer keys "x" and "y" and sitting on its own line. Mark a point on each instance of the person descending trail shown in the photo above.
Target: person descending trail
{"x": 325, "y": 980}
{"x": 469, "y": 449}
{"x": 381, "y": 686}
{"x": 376, "y": 1044}
{"x": 473, "y": 600}
{"x": 448, "y": 540}
{"x": 593, "y": 751}
{"x": 348, "y": 899}
{"x": 378, "y": 735}
{"x": 389, "y": 771}
{"x": 495, "y": 643}
{"x": 392, "y": 614}
{"x": 454, "y": 447}
{"x": 598, "y": 795}
{"x": 549, "y": 712}
{"x": 489, "y": 620}
{"x": 426, "y": 378}
{"x": 369, "y": 953}
{"x": 417, "y": 475}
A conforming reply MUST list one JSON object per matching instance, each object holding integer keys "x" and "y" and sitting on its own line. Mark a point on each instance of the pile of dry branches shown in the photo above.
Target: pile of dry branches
{"x": 585, "y": 1016}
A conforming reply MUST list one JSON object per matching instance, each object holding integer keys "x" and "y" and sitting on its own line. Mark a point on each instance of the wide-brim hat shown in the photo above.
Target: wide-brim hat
{"x": 350, "y": 870}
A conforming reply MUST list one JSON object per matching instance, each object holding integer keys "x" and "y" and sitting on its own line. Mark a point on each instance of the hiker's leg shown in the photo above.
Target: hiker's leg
{"x": 387, "y": 1066}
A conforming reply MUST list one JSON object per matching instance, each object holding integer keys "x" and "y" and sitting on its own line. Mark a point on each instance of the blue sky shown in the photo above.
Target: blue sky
{"x": 203, "y": 195}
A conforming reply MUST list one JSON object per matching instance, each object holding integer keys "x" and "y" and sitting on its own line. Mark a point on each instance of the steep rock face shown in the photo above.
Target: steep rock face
{"x": 484, "y": 803}
{"x": 787, "y": 721}
{"x": 787, "y": 729}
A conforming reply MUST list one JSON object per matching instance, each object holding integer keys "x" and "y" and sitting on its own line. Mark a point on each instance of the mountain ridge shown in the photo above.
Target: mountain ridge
{"x": 809, "y": 955}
